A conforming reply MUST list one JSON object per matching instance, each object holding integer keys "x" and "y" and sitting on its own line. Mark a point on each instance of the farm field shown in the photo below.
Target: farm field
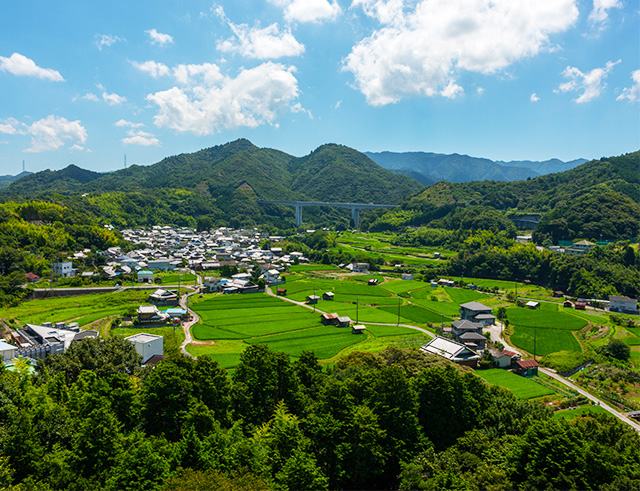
{"x": 578, "y": 411}
{"x": 523, "y": 388}
{"x": 551, "y": 331}
{"x": 230, "y": 323}
{"x": 83, "y": 309}
{"x": 175, "y": 277}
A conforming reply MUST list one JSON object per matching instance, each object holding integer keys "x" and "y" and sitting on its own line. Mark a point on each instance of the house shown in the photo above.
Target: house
{"x": 344, "y": 321}
{"x": 313, "y": 299}
{"x": 63, "y": 269}
{"x": 526, "y": 368}
{"x": 358, "y": 329}
{"x": 149, "y": 314}
{"x": 372, "y": 282}
{"x": 329, "y": 319}
{"x": 473, "y": 340}
{"x": 272, "y": 277}
{"x": 281, "y": 292}
{"x": 567, "y": 304}
{"x": 445, "y": 282}
{"x": 580, "y": 305}
{"x": 504, "y": 358}
{"x": 162, "y": 264}
{"x": 558, "y": 294}
{"x": 163, "y": 297}
{"x": 477, "y": 312}
{"x": 452, "y": 351}
{"x": 31, "y": 277}
{"x": 328, "y": 296}
{"x": 39, "y": 341}
{"x": 7, "y": 351}
{"x": 177, "y": 313}
{"x": 407, "y": 276}
{"x": 580, "y": 247}
{"x": 358, "y": 267}
{"x": 462, "y": 326}
{"x": 145, "y": 276}
{"x": 532, "y": 305}
{"x": 147, "y": 345}
{"x": 620, "y": 303}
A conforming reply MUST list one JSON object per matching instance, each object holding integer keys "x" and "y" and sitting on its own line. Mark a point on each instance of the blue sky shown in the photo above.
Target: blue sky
{"x": 85, "y": 82}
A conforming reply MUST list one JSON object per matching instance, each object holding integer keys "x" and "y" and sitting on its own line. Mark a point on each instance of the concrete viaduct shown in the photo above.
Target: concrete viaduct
{"x": 354, "y": 207}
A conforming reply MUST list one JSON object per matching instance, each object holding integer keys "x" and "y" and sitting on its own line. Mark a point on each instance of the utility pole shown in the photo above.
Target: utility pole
{"x": 125, "y": 160}
{"x": 398, "y": 322}
{"x": 357, "y": 309}
{"x": 24, "y": 168}
{"x": 535, "y": 335}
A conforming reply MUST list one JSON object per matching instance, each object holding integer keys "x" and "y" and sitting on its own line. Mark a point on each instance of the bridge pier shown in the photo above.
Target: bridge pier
{"x": 298, "y": 215}
{"x": 355, "y": 217}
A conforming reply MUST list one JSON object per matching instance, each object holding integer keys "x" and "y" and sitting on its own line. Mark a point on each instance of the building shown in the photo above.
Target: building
{"x": 526, "y": 368}
{"x": 149, "y": 314}
{"x": 31, "y": 277}
{"x": 580, "y": 247}
{"x": 344, "y": 321}
{"x": 272, "y": 277}
{"x": 460, "y": 327}
{"x": 147, "y": 345}
{"x": 358, "y": 329}
{"x": 328, "y": 296}
{"x": 452, "y": 351}
{"x": 281, "y": 292}
{"x": 329, "y": 319}
{"x": 407, "y": 276}
{"x": 145, "y": 276}
{"x": 163, "y": 297}
{"x": 477, "y": 312}
{"x": 473, "y": 340}
{"x": 177, "y": 313}
{"x": 161, "y": 264}
{"x": 38, "y": 341}
{"x": 313, "y": 299}
{"x": 504, "y": 358}
{"x": 63, "y": 269}
{"x": 7, "y": 351}
{"x": 358, "y": 267}
{"x": 532, "y": 304}
{"x": 620, "y": 303}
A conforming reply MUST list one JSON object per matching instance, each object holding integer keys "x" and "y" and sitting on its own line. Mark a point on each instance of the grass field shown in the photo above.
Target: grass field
{"x": 298, "y": 268}
{"x": 523, "y": 388}
{"x": 83, "y": 309}
{"x": 578, "y": 411}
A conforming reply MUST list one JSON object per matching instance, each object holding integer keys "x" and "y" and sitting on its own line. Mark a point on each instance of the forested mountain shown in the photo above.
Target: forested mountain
{"x": 429, "y": 168}
{"x": 597, "y": 200}
{"x": 8, "y": 179}
{"x": 332, "y": 172}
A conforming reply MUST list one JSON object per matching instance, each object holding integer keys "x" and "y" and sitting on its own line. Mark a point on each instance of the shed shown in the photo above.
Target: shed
{"x": 526, "y": 368}
{"x": 344, "y": 321}
{"x": 328, "y": 296}
{"x": 312, "y": 299}
{"x": 358, "y": 329}
{"x": 281, "y": 292}
{"x": 329, "y": 319}
{"x": 532, "y": 305}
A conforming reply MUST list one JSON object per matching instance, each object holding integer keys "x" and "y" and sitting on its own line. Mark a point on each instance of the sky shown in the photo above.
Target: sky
{"x": 88, "y": 82}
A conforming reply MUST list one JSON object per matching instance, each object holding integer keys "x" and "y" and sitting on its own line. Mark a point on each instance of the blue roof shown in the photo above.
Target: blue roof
{"x": 176, "y": 311}
{"x": 145, "y": 271}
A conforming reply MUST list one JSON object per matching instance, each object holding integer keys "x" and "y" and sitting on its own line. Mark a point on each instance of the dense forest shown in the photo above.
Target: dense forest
{"x": 93, "y": 419}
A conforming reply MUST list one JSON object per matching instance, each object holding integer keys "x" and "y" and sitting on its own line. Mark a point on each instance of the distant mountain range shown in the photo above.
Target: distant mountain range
{"x": 6, "y": 180}
{"x": 429, "y": 168}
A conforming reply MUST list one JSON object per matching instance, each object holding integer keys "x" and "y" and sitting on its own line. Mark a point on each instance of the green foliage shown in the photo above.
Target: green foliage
{"x": 618, "y": 349}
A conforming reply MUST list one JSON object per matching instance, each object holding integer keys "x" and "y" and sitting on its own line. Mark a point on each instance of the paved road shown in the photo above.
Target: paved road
{"x": 496, "y": 335}
{"x": 186, "y": 326}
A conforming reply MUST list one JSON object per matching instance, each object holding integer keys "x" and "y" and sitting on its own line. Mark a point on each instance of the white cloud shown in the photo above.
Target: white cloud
{"x": 140, "y": 138}
{"x": 159, "y": 38}
{"x": 452, "y": 90}
{"x": 309, "y": 10}
{"x": 22, "y": 66}
{"x": 589, "y": 84}
{"x": 152, "y": 68}
{"x": 338, "y": 104}
{"x": 599, "y": 14}
{"x": 12, "y": 126}
{"x": 534, "y": 98}
{"x": 631, "y": 94}
{"x": 480, "y": 90}
{"x": 89, "y": 96}
{"x": 53, "y": 132}
{"x": 113, "y": 99}
{"x": 206, "y": 101}
{"x": 123, "y": 123}
{"x": 421, "y": 51}
{"x": 106, "y": 40}
{"x": 259, "y": 43}
{"x": 385, "y": 11}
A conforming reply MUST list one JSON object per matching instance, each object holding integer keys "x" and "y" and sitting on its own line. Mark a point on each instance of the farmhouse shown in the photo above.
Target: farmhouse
{"x": 619, "y": 303}
{"x": 329, "y": 319}
{"x": 504, "y": 358}
{"x": 147, "y": 345}
{"x": 358, "y": 267}
{"x": 145, "y": 276}
{"x": 526, "y": 368}
{"x": 445, "y": 282}
{"x": 272, "y": 277}
{"x": 452, "y": 351}
{"x": 149, "y": 314}
{"x": 477, "y": 312}
{"x": 163, "y": 297}
{"x": 473, "y": 340}
{"x": 461, "y": 327}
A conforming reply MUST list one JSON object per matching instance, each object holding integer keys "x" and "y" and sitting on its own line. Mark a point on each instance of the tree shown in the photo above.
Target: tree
{"x": 618, "y": 349}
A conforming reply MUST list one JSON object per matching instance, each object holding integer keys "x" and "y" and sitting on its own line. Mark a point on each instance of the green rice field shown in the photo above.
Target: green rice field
{"x": 522, "y": 387}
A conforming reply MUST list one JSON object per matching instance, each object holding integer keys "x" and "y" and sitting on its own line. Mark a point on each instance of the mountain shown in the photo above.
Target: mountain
{"x": 429, "y": 168}
{"x": 597, "y": 200}
{"x": 6, "y": 180}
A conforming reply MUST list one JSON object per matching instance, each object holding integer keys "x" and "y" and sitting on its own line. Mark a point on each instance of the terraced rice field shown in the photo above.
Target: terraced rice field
{"x": 523, "y": 388}
{"x": 552, "y": 331}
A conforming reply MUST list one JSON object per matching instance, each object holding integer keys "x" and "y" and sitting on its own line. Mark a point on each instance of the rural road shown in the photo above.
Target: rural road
{"x": 186, "y": 327}
{"x": 496, "y": 336}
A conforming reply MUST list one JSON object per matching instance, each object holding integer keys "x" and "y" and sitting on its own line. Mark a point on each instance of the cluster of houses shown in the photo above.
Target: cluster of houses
{"x": 465, "y": 344}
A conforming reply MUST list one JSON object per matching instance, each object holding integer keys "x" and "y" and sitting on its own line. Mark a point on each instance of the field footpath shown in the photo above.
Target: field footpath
{"x": 269, "y": 292}
{"x": 496, "y": 335}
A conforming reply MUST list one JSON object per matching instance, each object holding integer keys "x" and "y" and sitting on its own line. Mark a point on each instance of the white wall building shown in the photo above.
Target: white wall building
{"x": 7, "y": 351}
{"x": 64, "y": 269}
{"x": 147, "y": 345}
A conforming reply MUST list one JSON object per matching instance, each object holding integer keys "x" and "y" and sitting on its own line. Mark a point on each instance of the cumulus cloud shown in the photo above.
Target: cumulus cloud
{"x": 205, "y": 101}
{"x": 534, "y": 98}
{"x": 53, "y": 132}
{"x": 89, "y": 96}
{"x": 631, "y": 94}
{"x": 113, "y": 99}
{"x": 259, "y": 43}
{"x": 142, "y": 138}
{"x": 12, "y": 126}
{"x": 159, "y": 38}
{"x": 21, "y": 66}
{"x": 106, "y": 40}
{"x": 314, "y": 11}
{"x": 124, "y": 123}
{"x": 420, "y": 50}
{"x": 589, "y": 84}
{"x": 452, "y": 90}
{"x": 600, "y": 12}
{"x": 152, "y": 68}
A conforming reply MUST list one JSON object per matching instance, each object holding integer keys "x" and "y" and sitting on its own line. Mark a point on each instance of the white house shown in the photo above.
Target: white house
{"x": 451, "y": 350}
{"x": 147, "y": 345}
{"x": 7, "y": 351}
{"x": 620, "y": 303}
{"x": 64, "y": 269}
{"x": 145, "y": 276}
